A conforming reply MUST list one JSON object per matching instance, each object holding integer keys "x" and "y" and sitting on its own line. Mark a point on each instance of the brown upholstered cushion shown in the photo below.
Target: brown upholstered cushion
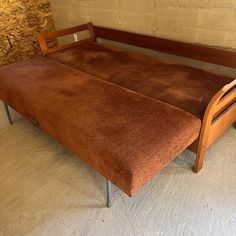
{"x": 125, "y": 136}
{"x": 187, "y": 88}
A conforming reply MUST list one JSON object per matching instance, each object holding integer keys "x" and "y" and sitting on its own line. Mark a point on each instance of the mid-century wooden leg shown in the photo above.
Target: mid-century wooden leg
{"x": 199, "y": 159}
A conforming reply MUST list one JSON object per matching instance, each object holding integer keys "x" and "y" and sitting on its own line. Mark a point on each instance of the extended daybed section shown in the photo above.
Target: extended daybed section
{"x": 207, "y": 96}
{"x": 126, "y": 136}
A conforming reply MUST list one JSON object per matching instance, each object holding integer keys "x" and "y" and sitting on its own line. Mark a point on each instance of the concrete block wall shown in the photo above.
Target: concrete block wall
{"x": 208, "y": 22}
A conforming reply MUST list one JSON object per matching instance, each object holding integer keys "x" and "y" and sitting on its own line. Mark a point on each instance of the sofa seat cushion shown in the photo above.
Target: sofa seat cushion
{"x": 185, "y": 87}
{"x": 126, "y": 136}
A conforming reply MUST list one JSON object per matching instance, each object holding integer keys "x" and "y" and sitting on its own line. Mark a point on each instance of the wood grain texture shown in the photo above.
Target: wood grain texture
{"x": 215, "y": 123}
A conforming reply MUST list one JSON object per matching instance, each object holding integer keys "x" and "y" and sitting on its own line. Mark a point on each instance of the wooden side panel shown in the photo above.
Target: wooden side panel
{"x": 213, "y": 127}
{"x": 220, "y": 125}
{"x": 228, "y": 99}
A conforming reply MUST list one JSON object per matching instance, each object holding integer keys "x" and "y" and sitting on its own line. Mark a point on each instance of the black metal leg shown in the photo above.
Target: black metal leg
{"x": 109, "y": 194}
{"x": 8, "y": 113}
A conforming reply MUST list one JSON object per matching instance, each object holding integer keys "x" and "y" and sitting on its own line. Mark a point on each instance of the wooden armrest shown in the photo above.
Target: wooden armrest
{"x": 43, "y": 37}
{"x": 219, "y": 115}
{"x": 223, "y": 105}
{"x": 227, "y": 87}
{"x": 224, "y": 97}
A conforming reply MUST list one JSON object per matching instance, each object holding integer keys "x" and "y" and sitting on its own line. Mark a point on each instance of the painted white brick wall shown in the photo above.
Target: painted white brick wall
{"x": 210, "y": 22}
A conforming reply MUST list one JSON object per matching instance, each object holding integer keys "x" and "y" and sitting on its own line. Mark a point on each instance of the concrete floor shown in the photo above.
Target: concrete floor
{"x": 45, "y": 190}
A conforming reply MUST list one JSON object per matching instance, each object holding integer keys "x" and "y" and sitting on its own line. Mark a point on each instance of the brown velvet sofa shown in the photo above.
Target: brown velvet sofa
{"x": 207, "y": 96}
{"x": 126, "y": 136}
{"x": 125, "y": 114}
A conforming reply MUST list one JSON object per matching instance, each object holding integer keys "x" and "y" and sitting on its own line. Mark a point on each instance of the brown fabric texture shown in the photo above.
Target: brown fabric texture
{"x": 185, "y": 87}
{"x": 127, "y": 137}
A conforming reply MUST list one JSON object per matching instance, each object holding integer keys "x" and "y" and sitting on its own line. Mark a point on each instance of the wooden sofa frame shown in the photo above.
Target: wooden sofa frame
{"x": 220, "y": 112}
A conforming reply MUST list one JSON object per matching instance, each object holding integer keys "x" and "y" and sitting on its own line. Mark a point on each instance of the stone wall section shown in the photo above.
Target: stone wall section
{"x": 208, "y": 22}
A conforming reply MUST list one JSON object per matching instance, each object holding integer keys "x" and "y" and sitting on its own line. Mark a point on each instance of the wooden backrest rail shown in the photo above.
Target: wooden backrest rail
{"x": 194, "y": 51}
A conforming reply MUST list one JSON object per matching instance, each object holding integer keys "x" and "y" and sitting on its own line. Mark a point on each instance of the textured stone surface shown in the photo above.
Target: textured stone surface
{"x": 45, "y": 190}
{"x": 211, "y": 22}
{"x": 20, "y": 20}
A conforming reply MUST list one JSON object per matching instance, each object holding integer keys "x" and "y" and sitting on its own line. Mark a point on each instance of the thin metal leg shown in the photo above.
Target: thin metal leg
{"x": 8, "y": 113}
{"x": 109, "y": 194}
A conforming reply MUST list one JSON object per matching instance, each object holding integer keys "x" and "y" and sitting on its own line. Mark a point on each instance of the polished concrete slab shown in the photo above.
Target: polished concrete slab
{"x": 46, "y": 190}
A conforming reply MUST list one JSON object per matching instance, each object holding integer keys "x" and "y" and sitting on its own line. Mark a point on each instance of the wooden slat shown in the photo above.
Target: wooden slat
{"x": 59, "y": 33}
{"x": 226, "y": 101}
{"x": 220, "y": 125}
{"x": 71, "y": 45}
{"x": 194, "y": 51}
{"x": 43, "y": 37}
